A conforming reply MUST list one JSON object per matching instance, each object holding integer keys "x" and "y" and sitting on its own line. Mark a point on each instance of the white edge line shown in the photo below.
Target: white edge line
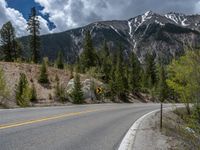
{"x": 128, "y": 140}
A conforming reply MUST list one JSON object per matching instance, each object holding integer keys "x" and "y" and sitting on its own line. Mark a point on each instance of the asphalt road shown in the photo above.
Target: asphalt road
{"x": 84, "y": 127}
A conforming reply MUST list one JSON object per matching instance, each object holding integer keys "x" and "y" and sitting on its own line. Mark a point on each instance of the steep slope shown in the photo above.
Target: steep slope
{"x": 165, "y": 36}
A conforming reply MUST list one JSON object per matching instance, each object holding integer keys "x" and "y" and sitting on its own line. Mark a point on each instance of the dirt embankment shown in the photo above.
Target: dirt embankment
{"x": 44, "y": 93}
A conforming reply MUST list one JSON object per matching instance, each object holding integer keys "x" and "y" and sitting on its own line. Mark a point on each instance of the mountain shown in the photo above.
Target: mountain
{"x": 165, "y": 36}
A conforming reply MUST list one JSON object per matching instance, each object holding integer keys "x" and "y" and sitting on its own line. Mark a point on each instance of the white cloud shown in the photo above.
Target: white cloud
{"x": 10, "y": 14}
{"x": 44, "y": 26}
{"x": 197, "y": 7}
{"x": 67, "y": 14}
{"x": 17, "y": 19}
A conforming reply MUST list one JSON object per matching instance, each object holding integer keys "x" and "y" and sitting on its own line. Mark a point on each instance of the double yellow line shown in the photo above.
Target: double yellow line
{"x": 16, "y": 124}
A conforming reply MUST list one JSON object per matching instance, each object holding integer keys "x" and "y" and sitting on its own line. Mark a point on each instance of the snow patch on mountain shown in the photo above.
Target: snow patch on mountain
{"x": 139, "y": 20}
{"x": 183, "y": 22}
{"x": 172, "y": 17}
{"x": 130, "y": 28}
{"x": 135, "y": 43}
{"x": 178, "y": 19}
{"x": 115, "y": 30}
{"x": 160, "y": 23}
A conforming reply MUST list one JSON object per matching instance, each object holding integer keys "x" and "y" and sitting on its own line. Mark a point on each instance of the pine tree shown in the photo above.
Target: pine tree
{"x": 8, "y": 41}
{"x": 43, "y": 78}
{"x": 77, "y": 93}
{"x": 33, "y": 94}
{"x": 34, "y": 29}
{"x": 88, "y": 56}
{"x": 23, "y": 91}
{"x": 150, "y": 71}
{"x": 162, "y": 84}
{"x": 17, "y": 50}
{"x": 105, "y": 63}
{"x": 59, "y": 90}
{"x": 120, "y": 79}
{"x": 71, "y": 72}
{"x": 59, "y": 61}
{"x": 135, "y": 74}
{"x": 112, "y": 80}
{"x": 4, "y": 93}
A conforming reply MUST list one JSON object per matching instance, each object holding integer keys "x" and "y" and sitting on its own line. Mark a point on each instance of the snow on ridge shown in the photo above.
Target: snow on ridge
{"x": 115, "y": 30}
{"x": 135, "y": 43}
{"x": 172, "y": 17}
{"x": 180, "y": 19}
{"x": 145, "y": 17}
{"x": 183, "y": 22}
{"x": 130, "y": 28}
{"x": 156, "y": 21}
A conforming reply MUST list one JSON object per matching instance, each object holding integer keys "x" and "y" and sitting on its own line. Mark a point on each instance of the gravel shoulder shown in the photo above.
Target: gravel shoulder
{"x": 174, "y": 135}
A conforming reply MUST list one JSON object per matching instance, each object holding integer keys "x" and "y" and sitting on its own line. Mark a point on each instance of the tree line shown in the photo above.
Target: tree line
{"x": 10, "y": 47}
{"x": 122, "y": 75}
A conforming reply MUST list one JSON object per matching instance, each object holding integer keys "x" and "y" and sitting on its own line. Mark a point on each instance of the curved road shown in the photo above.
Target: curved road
{"x": 84, "y": 127}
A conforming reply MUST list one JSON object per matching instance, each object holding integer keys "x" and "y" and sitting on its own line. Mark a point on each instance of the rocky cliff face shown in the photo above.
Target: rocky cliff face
{"x": 165, "y": 36}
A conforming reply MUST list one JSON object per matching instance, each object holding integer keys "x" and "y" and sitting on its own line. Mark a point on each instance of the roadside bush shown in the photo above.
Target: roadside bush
{"x": 33, "y": 94}
{"x": 60, "y": 91}
{"x": 43, "y": 78}
{"x": 23, "y": 92}
{"x": 77, "y": 93}
{"x": 4, "y": 93}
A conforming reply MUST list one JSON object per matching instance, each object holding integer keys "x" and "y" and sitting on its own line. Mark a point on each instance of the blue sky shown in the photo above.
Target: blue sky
{"x": 62, "y": 15}
{"x": 24, "y": 6}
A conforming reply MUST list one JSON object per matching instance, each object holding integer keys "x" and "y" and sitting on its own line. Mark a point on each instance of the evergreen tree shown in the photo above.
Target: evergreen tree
{"x": 17, "y": 50}
{"x": 8, "y": 41}
{"x": 112, "y": 80}
{"x": 162, "y": 84}
{"x": 33, "y": 94}
{"x": 59, "y": 61}
{"x": 77, "y": 93}
{"x": 59, "y": 90}
{"x": 34, "y": 29}
{"x": 88, "y": 57}
{"x": 150, "y": 71}
{"x": 78, "y": 66}
{"x": 135, "y": 74}
{"x": 43, "y": 78}
{"x": 23, "y": 91}
{"x": 105, "y": 63}
{"x": 3, "y": 88}
{"x": 120, "y": 79}
{"x": 71, "y": 72}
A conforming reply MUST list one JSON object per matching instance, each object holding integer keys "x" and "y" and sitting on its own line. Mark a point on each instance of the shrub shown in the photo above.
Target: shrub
{"x": 23, "y": 95}
{"x": 33, "y": 94}
{"x": 4, "y": 93}
{"x": 77, "y": 93}
{"x": 43, "y": 78}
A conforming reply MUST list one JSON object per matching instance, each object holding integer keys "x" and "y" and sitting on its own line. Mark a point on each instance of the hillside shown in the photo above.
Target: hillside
{"x": 46, "y": 93}
{"x": 12, "y": 73}
{"x": 165, "y": 36}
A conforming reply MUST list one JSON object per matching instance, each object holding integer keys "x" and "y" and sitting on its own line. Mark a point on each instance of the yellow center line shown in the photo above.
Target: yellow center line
{"x": 16, "y": 124}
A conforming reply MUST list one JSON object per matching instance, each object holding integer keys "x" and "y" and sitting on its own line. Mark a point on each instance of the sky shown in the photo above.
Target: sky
{"x": 61, "y": 15}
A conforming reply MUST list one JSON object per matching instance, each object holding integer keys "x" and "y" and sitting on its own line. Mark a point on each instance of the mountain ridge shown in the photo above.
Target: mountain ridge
{"x": 147, "y": 32}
